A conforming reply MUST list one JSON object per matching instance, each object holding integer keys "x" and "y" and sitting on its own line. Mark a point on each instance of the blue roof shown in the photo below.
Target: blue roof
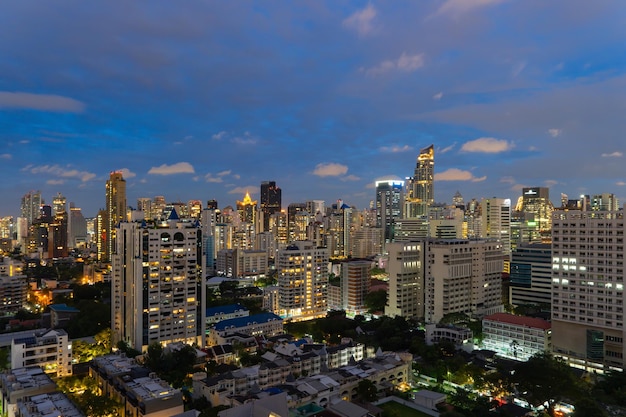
{"x": 64, "y": 307}
{"x": 173, "y": 215}
{"x": 227, "y": 309}
{"x": 245, "y": 321}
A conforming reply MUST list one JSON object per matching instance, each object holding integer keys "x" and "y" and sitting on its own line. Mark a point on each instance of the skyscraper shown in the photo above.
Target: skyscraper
{"x": 421, "y": 192}
{"x": 588, "y": 288}
{"x": 271, "y": 200}
{"x": 389, "y": 205}
{"x": 59, "y": 204}
{"x": 115, "y": 210}
{"x": 31, "y": 206}
{"x": 158, "y": 292}
{"x": 247, "y": 210}
{"x": 536, "y": 201}
{"x": 496, "y": 221}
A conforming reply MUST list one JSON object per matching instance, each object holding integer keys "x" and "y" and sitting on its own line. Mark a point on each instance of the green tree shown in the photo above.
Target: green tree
{"x": 546, "y": 379}
{"x": 376, "y": 301}
{"x": 366, "y": 390}
{"x": 588, "y": 407}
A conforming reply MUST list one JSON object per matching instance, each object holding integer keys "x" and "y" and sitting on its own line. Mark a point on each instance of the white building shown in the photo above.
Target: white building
{"x": 53, "y": 404}
{"x": 51, "y": 350}
{"x": 406, "y": 279}
{"x": 158, "y": 293}
{"x": 516, "y": 337}
{"x": 588, "y": 288}
{"x": 462, "y": 337}
{"x": 263, "y": 324}
{"x": 302, "y": 280}
{"x": 355, "y": 285}
{"x": 21, "y": 383}
{"x": 496, "y": 221}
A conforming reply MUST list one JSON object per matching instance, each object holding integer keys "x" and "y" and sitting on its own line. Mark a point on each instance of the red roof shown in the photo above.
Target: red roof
{"x": 533, "y": 322}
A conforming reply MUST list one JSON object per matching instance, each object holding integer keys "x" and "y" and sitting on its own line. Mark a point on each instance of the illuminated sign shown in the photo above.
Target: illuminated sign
{"x": 530, "y": 192}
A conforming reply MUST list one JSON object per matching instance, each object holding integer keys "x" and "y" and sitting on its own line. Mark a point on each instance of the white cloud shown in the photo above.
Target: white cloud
{"x": 518, "y": 68}
{"x": 246, "y": 140}
{"x": 330, "y": 169}
{"x": 448, "y": 148}
{"x": 63, "y": 172}
{"x": 458, "y": 7}
{"x": 455, "y": 174}
{"x": 395, "y": 148}
{"x": 507, "y": 180}
{"x": 438, "y": 96}
{"x": 45, "y": 102}
{"x": 406, "y": 63}
{"x": 487, "y": 145}
{"x": 620, "y": 183}
{"x": 361, "y": 21}
{"x": 350, "y": 178}
{"x": 210, "y": 178}
{"x": 6, "y": 156}
{"x": 127, "y": 173}
{"x": 55, "y": 182}
{"x": 222, "y": 173}
{"x": 555, "y": 132}
{"x": 244, "y": 190}
{"x": 219, "y": 135}
{"x": 177, "y": 168}
{"x": 616, "y": 154}
{"x": 550, "y": 183}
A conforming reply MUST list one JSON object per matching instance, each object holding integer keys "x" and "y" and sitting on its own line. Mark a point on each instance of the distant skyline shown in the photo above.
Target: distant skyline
{"x": 207, "y": 99}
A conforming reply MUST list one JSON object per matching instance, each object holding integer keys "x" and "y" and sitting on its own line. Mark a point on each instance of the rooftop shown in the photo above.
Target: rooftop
{"x": 532, "y": 322}
{"x": 246, "y": 321}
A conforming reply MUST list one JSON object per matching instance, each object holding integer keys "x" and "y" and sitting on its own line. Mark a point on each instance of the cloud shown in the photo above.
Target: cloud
{"x": 220, "y": 135}
{"x": 43, "y": 102}
{"x": 458, "y": 7}
{"x": 361, "y": 21}
{"x": 406, "y": 63}
{"x": 127, "y": 173}
{"x": 350, "y": 178}
{"x": 177, "y": 168}
{"x": 222, "y": 173}
{"x": 448, "y": 148}
{"x": 616, "y": 154}
{"x": 550, "y": 183}
{"x": 216, "y": 178}
{"x": 6, "y": 156}
{"x": 246, "y": 140}
{"x": 438, "y": 96}
{"x": 59, "y": 171}
{"x": 518, "y": 68}
{"x": 455, "y": 174}
{"x": 243, "y": 190}
{"x": 395, "y": 148}
{"x": 507, "y": 180}
{"x": 555, "y": 132}
{"x": 55, "y": 182}
{"x": 330, "y": 169}
{"x": 620, "y": 183}
{"x": 487, "y": 145}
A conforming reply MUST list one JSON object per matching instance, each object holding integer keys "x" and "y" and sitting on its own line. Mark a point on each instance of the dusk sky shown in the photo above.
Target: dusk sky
{"x": 206, "y": 99}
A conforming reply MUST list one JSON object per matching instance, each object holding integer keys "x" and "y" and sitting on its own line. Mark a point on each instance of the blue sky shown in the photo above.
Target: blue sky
{"x": 206, "y": 99}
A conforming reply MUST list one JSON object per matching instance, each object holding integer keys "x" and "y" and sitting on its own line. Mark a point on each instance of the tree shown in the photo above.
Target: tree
{"x": 545, "y": 379}
{"x": 366, "y": 390}
{"x": 376, "y": 301}
{"x": 588, "y": 407}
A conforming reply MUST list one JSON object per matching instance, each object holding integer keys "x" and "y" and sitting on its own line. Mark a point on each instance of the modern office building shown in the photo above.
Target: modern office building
{"x": 13, "y": 286}
{"x": 31, "y": 206}
{"x": 421, "y": 194}
{"x": 536, "y": 202}
{"x": 496, "y": 221}
{"x": 531, "y": 275}
{"x": 366, "y": 242}
{"x": 604, "y": 202}
{"x": 462, "y": 276}
{"x": 115, "y": 211}
{"x": 588, "y": 288}
{"x": 271, "y": 201}
{"x": 405, "y": 297}
{"x": 247, "y": 210}
{"x": 389, "y": 207}
{"x": 302, "y": 280}
{"x": 295, "y": 222}
{"x": 76, "y": 228}
{"x": 158, "y": 292}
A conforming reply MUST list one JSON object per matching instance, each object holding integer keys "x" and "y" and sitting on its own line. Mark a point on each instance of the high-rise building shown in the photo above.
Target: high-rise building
{"x": 31, "y": 206}
{"x": 271, "y": 200}
{"x": 211, "y": 204}
{"x": 59, "y": 204}
{"x": 588, "y": 295}
{"x": 77, "y": 228}
{"x": 144, "y": 204}
{"x": 604, "y": 202}
{"x": 536, "y": 201}
{"x": 247, "y": 210}
{"x": 158, "y": 292}
{"x": 302, "y": 280}
{"x": 405, "y": 296}
{"x": 13, "y": 286}
{"x": 158, "y": 207}
{"x": 389, "y": 206}
{"x": 115, "y": 210}
{"x": 531, "y": 275}
{"x": 421, "y": 192}
{"x": 463, "y": 276}
{"x": 496, "y": 221}
{"x": 293, "y": 227}
{"x": 355, "y": 285}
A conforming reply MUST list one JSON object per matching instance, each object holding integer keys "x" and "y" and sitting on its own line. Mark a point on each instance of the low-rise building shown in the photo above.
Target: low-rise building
{"x": 230, "y": 311}
{"x": 48, "y": 405}
{"x": 21, "y": 383}
{"x": 51, "y": 350}
{"x": 264, "y": 324}
{"x": 516, "y": 337}
{"x": 460, "y": 336}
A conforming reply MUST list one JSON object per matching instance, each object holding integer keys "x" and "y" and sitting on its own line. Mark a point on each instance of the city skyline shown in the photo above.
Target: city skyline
{"x": 324, "y": 98}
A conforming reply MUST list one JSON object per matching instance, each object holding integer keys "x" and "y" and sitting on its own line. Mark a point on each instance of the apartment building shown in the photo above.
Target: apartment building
{"x": 50, "y": 349}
